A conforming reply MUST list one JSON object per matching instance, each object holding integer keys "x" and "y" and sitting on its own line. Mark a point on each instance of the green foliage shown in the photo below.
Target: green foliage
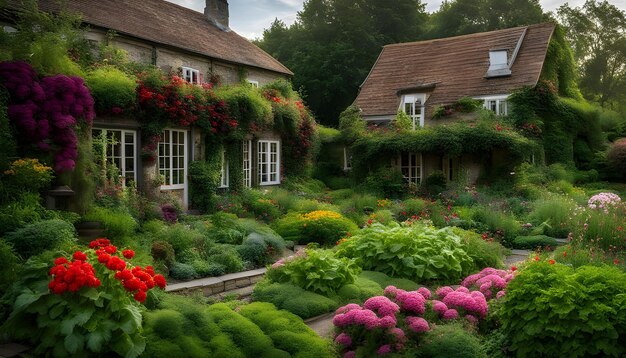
{"x": 414, "y": 252}
{"x": 181, "y": 237}
{"x": 24, "y": 210}
{"x": 44, "y": 235}
{"x": 163, "y": 251}
{"x": 204, "y": 177}
{"x": 247, "y": 105}
{"x": 322, "y": 226}
{"x": 435, "y": 183}
{"x": 616, "y": 159}
{"x": 386, "y": 182}
{"x": 7, "y": 141}
{"x": 261, "y": 249}
{"x": 294, "y": 299}
{"x": 534, "y": 242}
{"x": 383, "y": 280}
{"x": 559, "y": 66}
{"x": 554, "y": 310}
{"x": 118, "y": 224}
{"x": 483, "y": 253}
{"x": 183, "y": 272}
{"x": 498, "y": 223}
{"x": 111, "y": 88}
{"x": 403, "y": 122}
{"x": 556, "y": 212}
{"x": 287, "y": 331}
{"x": 318, "y": 271}
{"x": 450, "y": 340}
{"x": 227, "y": 256}
{"x": 8, "y": 265}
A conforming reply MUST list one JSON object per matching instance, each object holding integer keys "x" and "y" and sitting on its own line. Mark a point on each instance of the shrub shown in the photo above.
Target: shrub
{"x": 261, "y": 249}
{"x": 315, "y": 270}
{"x": 25, "y": 210}
{"x": 293, "y": 299}
{"x": 183, "y": 272}
{"x": 498, "y": 223}
{"x": 40, "y": 236}
{"x": 323, "y": 227}
{"x": 554, "y": 310}
{"x": 383, "y": 280}
{"x": 180, "y": 237}
{"x": 414, "y": 252}
{"x": 265, "y": 210}
{"x": 226, "y": 256}
{"x": 554, "y": 211}
{"x": 27, "y": 175}
{"x": 534, "y": 242}
{"x": 450, "y": 340}
{"x": 359, "y": 291}
{"x": 410, "y": 208}
{"x": 118, "y": 225}
{"x": 386, "y": 182}
{"x": 112, "y": 89}
{"x": 433, "y": 184}
{"x": 163, "y": 250}
{"x": 616, "y": 158}
{"x": 381, "y": 216}
{"x": 8, "y": 265}
{"x": 483, "y": 253}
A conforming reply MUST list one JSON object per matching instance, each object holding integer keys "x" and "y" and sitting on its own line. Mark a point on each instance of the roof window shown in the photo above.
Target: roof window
{"x": 498, "y": 64}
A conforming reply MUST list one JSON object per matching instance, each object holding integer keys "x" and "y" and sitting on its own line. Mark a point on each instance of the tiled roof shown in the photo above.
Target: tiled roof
{"x": 169, "y": 24}
{"x": 455, "y": 65}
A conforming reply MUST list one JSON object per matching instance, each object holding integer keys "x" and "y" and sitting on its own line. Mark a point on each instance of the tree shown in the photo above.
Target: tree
{"x": 334, "y": 43}
{"x": 597, "y": 32}
{"x": 461, "y": 17}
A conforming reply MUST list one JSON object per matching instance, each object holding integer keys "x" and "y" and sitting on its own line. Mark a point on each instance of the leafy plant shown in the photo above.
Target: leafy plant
{"x": 118, "y": 224}
{"x": 112, "y": 89}
{"x": 534, "y": 242}
{"x": 294, "y": 299}
{"x": 554, "y": 310}
{"x": 40, "y": 236}
{"x": 450, "y": 340}
{"x": 315, "y": 270}
{"x": 414, "y": 252}
{"x": 321, "y": 226}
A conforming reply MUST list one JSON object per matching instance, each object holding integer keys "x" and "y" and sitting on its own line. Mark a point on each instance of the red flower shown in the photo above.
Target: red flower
{"x": 536, "y": 257}
{"x": 78, "y": 255}
{"x": 60, "y": 261}
{"x": 140, "y": 296}
{"x": 564, "y": 253}
{"x": 159, "y": 280}
{"x": 513, "y": 268}
{"x": 110, "y": 249}
{"x": 104, "y": 258}
{"x": 616, "y": 261}
{"x": 552, "y": 262}
{"x": 129, "y": 254}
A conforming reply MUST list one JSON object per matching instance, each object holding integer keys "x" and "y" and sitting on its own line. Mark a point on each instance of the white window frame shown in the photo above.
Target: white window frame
{"x": 347, "y": 160}
{"x": 265, "y": 167}
{"x": 497, "y": 100}
{"x": 188, "y": 75}
{"x": 247, "y": 163}
{"x": 123, "y": 157}
{"x": 418, "y": 168}
{"x": 254, "y": 83}
{"x": 167, "y": 140}
{"x": 410, "y": 99}
{"x": 224, "y": 172}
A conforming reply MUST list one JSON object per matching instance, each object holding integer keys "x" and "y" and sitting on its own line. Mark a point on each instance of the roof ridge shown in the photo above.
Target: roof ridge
{"x": 474, "y": 34}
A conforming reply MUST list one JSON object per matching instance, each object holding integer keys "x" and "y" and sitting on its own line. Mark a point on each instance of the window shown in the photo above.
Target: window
{"x": 172, "y": 158}
{"x": 224, "y": 171}
{"x": 247, "y": 163}
{"x": 450, "y": 167}
{"x": 347, "y": 159}
{"x": 413, "y": 106}
{"x": 254, "y": 83}
{"x": 269, "y": 162}
{"x": 497, "y": 104}
{"x": 190, "y": 75}
{"x": 411, "y": 167}
{"x": 121, "y": 146}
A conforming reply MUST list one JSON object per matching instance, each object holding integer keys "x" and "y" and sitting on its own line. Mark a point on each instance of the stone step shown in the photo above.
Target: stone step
{"x": 216, "y": 285}
{"x": 322, "y": 325}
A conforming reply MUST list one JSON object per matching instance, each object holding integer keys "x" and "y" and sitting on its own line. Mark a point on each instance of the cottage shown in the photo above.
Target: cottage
{"x": 419, "y": 78}
{"x": 200, "y": 48}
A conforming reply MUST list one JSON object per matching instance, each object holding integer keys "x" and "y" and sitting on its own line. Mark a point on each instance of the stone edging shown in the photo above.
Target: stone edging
{"x": 214, "y": 285}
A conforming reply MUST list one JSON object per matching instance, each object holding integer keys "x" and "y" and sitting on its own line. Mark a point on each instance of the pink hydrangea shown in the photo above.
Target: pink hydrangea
{"x": 471, "y": 319}
{"x": 387, "y": 322}
{"x": 278, "y": 264}
{"x": 500, "y": 294}
{"x": 411, "y": 301}
{"x": 462, "y": 289}
{"x": 439, "y": 307}
{"x": 417, "y": 324}
{"x": 349, "y": 354}
{"x": 342, "y": 320}
{"x": 381, "y": 305}
{"x": 348, "y": 307}
{"x": 365, "y": 318}
{"x": 443, "y": 291}
{"x": 390, "y": 291}
{"x": 424, "y": 292}
{"x": 450, "y": 314}
{"x": 398, "y": 333}
{"x": 384, "y": 350}
{"x": 344, "y": 340}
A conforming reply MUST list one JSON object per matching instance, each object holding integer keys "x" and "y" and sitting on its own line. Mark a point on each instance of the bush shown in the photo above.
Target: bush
{"x": 40, "y": 236}
{"x": 323, "y": 227}
{"x": 499, "y": 224}
{"x": 386, "y": 182}
{"x": 315, "y": 270}
{"x": 534, "y": 242}
{"x": 556, "y": 213}
{"x": 483, "y": 253}
{"x": 118, "y": 225}
{"x": 181, "y": 237}
{"x": 414, "y": 252}
{"x": 450, "y": 340}
{"x": 410, "y": 208}
{"x": 433, "y": 184}
{"x": 616, "y": 158}
{"x": 359, "y": 291}
{"x": 293, "y": 299}
{"x": 554, "y": 310}
{"x": 261, "y": 249}
{"x": 226, "y": 256}
{"x": 26, "y": 175}
{"x": 183, "y": 272}
{"x": 8, "y": 265}
{"x": 383, "y": 280}
{"x": 25, "y": 210}
{"x": 163, "y": 251}
{"x": 112, "y": 90}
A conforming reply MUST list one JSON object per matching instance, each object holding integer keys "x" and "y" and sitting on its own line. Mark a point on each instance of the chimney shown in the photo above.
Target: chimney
{"x": 217, "y": 13}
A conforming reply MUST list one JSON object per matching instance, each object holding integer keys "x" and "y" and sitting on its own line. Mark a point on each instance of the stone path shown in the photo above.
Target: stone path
{"x": 516, "y": 257}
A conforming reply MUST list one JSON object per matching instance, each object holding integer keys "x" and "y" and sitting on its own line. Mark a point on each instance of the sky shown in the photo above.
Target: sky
{"x": 250, "y": 17}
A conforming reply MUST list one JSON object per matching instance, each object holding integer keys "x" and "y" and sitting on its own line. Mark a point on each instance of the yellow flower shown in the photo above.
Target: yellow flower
{"x": 321, "y": 214}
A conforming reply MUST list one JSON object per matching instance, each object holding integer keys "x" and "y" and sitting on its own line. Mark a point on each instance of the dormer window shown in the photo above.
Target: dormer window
{"x": 497, "y": 104}
{"x": 413, "y": 106}
{"x": 498, "y": 64}
{"x": 190, "y": 75}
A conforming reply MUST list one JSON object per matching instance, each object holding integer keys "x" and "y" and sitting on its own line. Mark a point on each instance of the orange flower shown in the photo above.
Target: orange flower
{"x": 552, "y": 262}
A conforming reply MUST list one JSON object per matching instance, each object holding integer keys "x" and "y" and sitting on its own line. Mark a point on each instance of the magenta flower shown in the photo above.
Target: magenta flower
{"x": 384, "y": 350}
{"x": 349, "y": 354}
{"x": 450, "y": 314}
{"x": 424, "y": 292}
{"x": 500, "y": 294}
{"x": 381, "y": 305}
{"x": 443, "y": 291}
{"x": 344, "y": 340}
{"x": 417, "y": 324}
